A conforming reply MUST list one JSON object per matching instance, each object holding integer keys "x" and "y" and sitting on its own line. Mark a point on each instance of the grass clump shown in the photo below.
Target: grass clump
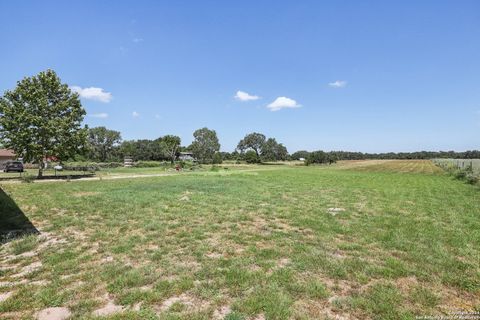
{"x": 25, "y": 244}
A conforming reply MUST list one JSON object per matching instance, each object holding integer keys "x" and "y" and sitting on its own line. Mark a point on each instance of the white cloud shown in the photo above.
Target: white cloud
{"x": 137, "y": 40}
{"x": 338, "y": 84}
{"x": 101, "y": 115}
{"x": 283, "y": 103}
{"x": 157, "y": 116}
{"x": 135, "y": 114}
{"x": 243, "y": 96}
{"x": 93, "y": 93}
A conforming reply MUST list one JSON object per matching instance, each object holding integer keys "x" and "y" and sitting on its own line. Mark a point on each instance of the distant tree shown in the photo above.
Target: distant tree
{"x": 102, "y": 143}
{"x": 205, "y": 144}
{"x": 251, "y": 157}
{"x": 127, "y": 149}
{"x": 217, "y": 158}
{"x": 42, "y": 118}
{"x": 144, "y": 149}
{"x": 331, "y": 157}
{"x": 171, "y": 146}
{"x": 302, "y": 154}
{"x": 317, "y": 157}
{"x": 254, "y": 141}
{"x": 273, "y": 151}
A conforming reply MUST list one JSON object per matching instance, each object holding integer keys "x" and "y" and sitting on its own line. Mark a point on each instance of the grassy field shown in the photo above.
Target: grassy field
{"x": 359, "y": 240}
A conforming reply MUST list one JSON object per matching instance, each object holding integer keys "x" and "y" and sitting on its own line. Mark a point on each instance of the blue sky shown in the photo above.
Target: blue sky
{"x": 370, "y": 76}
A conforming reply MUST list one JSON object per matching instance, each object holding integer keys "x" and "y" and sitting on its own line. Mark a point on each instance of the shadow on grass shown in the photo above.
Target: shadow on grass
{"x": 13, "y": 222}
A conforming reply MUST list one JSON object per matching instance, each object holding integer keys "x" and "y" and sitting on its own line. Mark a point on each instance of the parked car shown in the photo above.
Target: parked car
{"x": 13, "y": 166}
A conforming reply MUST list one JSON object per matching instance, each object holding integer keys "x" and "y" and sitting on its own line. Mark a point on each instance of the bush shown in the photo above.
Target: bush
{"x": 151, "y": 164}
{"x": 460, "y": 174}
{"x": 217, "y": 158}
{"x": 251, "y": 157}
{"x": 471, "y": 178}
{"x": 318, "y": 157}
{"x": 90, "y": 166}
{"x": 215, "y": 168}
{"x": 27, "y": 178}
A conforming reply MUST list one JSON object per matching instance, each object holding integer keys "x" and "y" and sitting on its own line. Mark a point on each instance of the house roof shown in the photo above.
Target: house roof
{"x": 6, "y": 153}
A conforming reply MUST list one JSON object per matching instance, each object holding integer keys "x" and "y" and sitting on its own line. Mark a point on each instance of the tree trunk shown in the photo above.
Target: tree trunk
{"x": 40, "y": 169}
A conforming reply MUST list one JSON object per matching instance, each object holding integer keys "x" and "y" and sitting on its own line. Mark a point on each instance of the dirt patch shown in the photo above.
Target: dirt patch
{"x": 183, "y": 298}
{"x": 85, "y": 194}
{"x": 137, "y": 306}
{"x": 108, "y": 309}
{"x": 11, "y": 284}
{"x": 56, "y": 313}
{"x": 185, "y": 196}
{"x": 319, "y": 310}
{"x": 107, "y": 259}
{"x": 335, "y": 211}
{"x": 4, "y": 296}
{"x": 187, "y": 300}
{"x": 221, "y": 313}
{"x": 28, "y": 269}
{"x": 406, "y": 284}
{"x": 214, "y": 255}
{"x": 282, "y": 263}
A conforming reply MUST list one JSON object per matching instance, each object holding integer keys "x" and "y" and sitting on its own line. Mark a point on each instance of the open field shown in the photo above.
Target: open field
{"x": 358, "y": 240}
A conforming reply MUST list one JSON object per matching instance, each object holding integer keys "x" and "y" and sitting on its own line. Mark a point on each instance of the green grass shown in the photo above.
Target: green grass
{"x": 260, "y": 240}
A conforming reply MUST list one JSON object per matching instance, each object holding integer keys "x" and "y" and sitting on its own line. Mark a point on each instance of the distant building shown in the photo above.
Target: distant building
{"x": 6, "y": 155}
{"x": 186, "y": 156}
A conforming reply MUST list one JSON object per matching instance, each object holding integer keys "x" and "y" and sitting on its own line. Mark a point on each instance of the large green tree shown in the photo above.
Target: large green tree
{"x": 171, "y": 145}
{"x": 42, "y": 118}
{"x": 205, "y": 144}
{"x": 102, "y": 143}
{"x": 274, "y": 151}
{"x": 254, "y": 141}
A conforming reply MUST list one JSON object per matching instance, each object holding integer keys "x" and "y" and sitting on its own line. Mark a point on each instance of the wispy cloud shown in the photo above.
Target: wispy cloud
{"x": 338, "y": 84}
{"x": 243, "y": 96}
{"x": 93, "y": 93}
{"x": 137, "y": 40}
{"x": 101, "y": 115}
{"x": 283, "y": 103}
{"x": 157, "y": 116}
{"x": 135, "y": 114}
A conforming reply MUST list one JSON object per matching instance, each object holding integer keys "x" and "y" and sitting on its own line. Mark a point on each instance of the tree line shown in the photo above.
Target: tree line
{"x": 419, "y": 155}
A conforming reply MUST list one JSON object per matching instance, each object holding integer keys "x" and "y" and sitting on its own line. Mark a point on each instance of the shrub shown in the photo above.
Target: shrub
{"x": 217, "y": 158}
{"x": 151, "y": 164}
{"x": 90, "y": 166}
{"x": 316, "y": 157}
{"x": 471, "y": 178}
{"x": 460, "y": 174}
{"x": 215, "y": 168}
{"x": 251, "y": 157}
{"x": 27, "y": 178}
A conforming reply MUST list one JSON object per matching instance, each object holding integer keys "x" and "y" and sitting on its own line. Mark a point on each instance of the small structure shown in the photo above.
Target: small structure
{"x": 6, "y": 155}
{"x": 128, "y": 162}
{"x": 186, "y": 156}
